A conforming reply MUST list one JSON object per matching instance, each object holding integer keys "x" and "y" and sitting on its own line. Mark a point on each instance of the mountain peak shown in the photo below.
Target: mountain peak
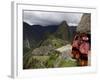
{"x": 63, "y": 31}
{"x": 64, "y": 23}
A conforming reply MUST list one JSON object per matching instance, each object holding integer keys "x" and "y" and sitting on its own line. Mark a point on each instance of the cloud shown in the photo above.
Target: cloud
{"x": 51, "y": 18}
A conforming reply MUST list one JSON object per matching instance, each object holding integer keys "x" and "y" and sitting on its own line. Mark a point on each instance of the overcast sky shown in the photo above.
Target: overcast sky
{"x": 51, "y": 18}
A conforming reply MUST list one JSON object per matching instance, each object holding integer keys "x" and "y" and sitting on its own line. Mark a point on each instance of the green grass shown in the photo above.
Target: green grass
{"x": 67, "y": 63}
{"x": 55, "y": 42}
{"x": 41, "y": 58}
{"x": 34, "y": 61}
{"x": 52, "y": 60}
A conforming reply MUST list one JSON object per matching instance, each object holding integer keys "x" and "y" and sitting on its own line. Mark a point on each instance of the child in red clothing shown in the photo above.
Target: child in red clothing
{"x": 80, "y": 48}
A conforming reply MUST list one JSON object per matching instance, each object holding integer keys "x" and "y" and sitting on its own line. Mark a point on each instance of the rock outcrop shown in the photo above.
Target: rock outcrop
{"x": 85, "y": 23}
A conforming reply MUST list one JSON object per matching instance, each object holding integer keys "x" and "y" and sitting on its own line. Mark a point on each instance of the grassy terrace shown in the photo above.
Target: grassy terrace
{"x": 51, "y": 61}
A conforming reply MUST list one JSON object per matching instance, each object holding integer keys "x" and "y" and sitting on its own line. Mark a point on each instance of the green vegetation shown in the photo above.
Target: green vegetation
{"x": 31, "y": 61}
{"x": 63, "y": 31}
{"x": 34, "y": 62}
{"x": 42, "y": 52}
{"x": 54, "y": 42}
{"x": 25, "y": 50}
{"x": 46, "y": 56}
{"x": 67, "y": 63}
{"x": 53, "y": 59}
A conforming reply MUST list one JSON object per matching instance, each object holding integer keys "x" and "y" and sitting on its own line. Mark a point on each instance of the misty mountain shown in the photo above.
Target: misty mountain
{"x": 35, "y": 35}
